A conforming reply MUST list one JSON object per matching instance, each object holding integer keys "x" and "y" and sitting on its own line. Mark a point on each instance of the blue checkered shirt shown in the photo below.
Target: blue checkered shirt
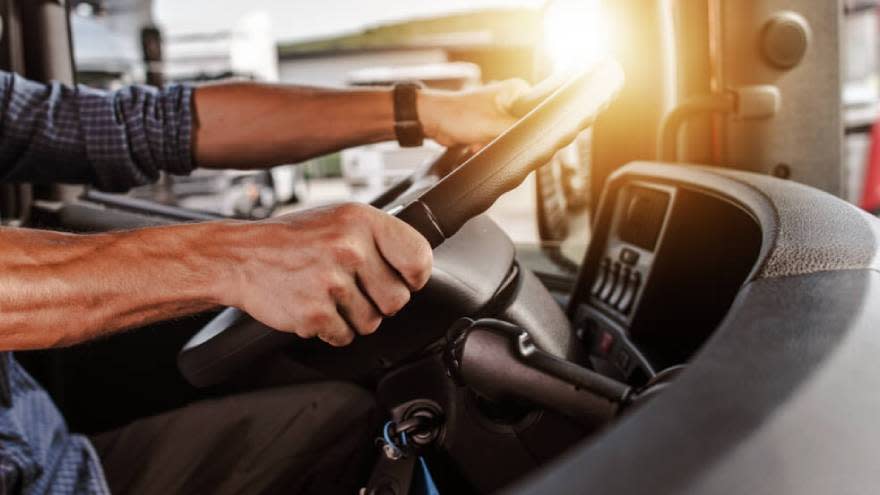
{"x": 113, "y": 140}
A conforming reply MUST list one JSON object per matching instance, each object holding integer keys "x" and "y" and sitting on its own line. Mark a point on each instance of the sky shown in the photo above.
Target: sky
{"x": 305, "y": 19}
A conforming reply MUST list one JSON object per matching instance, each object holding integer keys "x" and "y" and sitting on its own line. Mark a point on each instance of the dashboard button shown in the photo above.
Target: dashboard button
{"x": 613, "y": 280}
{"x": 601, "y": 277}
{"x": 604, "y": 344}
{"x": 629, "y": 257}
{"x": 632, "y": 290}
{"x": 621, "y": 288}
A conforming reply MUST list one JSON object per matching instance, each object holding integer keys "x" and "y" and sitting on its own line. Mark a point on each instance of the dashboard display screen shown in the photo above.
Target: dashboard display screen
{"x": 643, "y": 213}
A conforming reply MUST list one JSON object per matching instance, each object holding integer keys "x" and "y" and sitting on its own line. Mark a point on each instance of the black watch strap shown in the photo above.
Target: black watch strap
{"x": 407, "y": 126}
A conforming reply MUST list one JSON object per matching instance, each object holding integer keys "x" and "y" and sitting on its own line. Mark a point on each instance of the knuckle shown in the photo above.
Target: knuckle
{"x": 317, "y": 321}
{"x": 352, "y": 212}
{"x": 396, "y": 300}
{"x": 333, "y": 284}
{"x": 346, "y": 252}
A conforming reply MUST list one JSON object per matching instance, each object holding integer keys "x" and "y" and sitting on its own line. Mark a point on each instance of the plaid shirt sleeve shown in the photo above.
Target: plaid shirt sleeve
{"x": 73, "y": 134}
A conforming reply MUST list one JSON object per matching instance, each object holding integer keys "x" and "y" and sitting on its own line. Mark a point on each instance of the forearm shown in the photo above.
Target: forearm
{"x": 323, "y": 273}
{"x": 249, "y": 125}
{"x": 61, "y": 289}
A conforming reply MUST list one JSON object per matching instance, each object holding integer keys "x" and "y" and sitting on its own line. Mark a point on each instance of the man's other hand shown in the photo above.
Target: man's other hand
{"x": 331, "y": 272}
{"x": 472, "y": 117}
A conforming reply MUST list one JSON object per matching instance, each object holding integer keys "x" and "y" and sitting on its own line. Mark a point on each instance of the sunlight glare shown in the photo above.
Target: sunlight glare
{"x": 575, "y": 33}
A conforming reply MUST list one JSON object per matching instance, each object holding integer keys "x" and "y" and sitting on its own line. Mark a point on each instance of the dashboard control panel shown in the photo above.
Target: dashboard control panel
{"x": 663, "y": 267}
{"x": 635, "y": 233}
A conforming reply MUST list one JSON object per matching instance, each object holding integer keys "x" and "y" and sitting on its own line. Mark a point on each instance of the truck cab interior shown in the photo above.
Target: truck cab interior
{"x": 719, "y": 336}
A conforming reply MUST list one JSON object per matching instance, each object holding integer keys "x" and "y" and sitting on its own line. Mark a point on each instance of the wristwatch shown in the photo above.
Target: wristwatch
{"x": 406, "y": 116}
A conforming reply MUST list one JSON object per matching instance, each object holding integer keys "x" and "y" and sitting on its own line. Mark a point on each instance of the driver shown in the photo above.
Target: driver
{"x": 332, "y": 273}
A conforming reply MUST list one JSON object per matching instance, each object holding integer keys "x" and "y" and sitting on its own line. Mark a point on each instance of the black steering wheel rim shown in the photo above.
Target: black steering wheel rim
{"x": 437, "y": 169}
{"x": 438, "y": 212}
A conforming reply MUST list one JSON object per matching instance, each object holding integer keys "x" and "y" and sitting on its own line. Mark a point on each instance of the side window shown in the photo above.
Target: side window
{"x": 105, "y": 49}
{"x": 120, "y": 42}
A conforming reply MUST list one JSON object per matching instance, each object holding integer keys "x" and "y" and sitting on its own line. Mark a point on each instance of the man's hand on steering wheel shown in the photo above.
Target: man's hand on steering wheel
{"x": 331, "y": 272}
{"x": 471, "y": 117}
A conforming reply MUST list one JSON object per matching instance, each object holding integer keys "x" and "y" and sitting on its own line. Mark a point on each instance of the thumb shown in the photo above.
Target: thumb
{"x": 509, "y": 92}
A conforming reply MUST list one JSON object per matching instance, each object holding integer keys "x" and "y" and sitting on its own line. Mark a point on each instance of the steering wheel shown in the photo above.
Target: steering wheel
{"x": 437, "y": 210}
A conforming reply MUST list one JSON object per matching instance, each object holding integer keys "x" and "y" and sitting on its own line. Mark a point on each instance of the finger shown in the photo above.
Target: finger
{"x": 509, "y": 92}
{"x": 476, "y": 147}
{"x": 357, "y": 310}
{"x": 382, "y": 284}
{"x": 330, "y": 327}
{"x": 405, "y": 250}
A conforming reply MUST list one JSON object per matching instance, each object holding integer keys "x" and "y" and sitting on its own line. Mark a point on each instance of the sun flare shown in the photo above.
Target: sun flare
{"x": 575, "y": 33}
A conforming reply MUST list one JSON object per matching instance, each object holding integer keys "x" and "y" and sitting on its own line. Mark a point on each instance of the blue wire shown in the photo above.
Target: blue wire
{"x": 386, "y": 435}
{"x": 430, "y": 486}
